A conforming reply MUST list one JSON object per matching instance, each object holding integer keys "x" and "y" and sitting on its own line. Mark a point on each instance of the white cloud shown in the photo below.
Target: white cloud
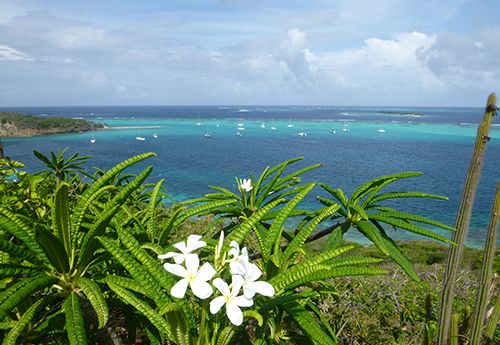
{"x": 12, "y": 54}
{"x": 82, "y": 37}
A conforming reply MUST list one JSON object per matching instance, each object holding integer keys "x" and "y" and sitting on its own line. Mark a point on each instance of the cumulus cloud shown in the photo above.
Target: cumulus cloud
{"x": 455, "y": 56}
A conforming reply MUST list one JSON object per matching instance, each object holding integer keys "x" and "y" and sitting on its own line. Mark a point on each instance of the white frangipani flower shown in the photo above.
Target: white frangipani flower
{"x": 250, "y": 284}
{"x": 239, "y": 260}
{"x": 246, "y": 185}
{"x": 193, "y": 242}
{"x": 196, "y": 279}
{"x": 231, "y": 299}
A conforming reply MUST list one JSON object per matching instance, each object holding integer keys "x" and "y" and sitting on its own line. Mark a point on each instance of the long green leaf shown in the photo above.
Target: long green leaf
{"x": 16, "y": 227}
{"x": 242, "y": 231}
{"x": 75, "y": 326}
{"x": 274, "y": 234}
{"x": 151, "y": 208}
{"x": 300, "y": 239}
{"x": 10, "y": 270}
{"x": 17, "y": 293}
{"x": 308, "y": 324}
{"x": 18, "y": 251}
{"x": 201, "y": 209}
{"x": 416, "y": 218}
{"x": 399, "y": 195}
{"x": 60, "y": 214}
{"x": 365, "y": 188}
{"x": 128, "y": 297}
{"x": 27, "y": 318}
{"x": 395, "y": 254}
{"x": 98, "y": 229}
{"x": 96, "y": 298}
{"x": 371, "y": 232}
{"x": 153, "y": 266}
{"x": 409, "y": 226}
{"x": 54, "y": 249}
{"x": 86, "y": 198}
{"x": 138, "y": 273}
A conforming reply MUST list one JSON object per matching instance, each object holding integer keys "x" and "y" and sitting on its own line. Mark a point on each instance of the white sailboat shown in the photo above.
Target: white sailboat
{"x": 345, "y": 129}
{"x": 290, "y": 125}
{"x": 155, "y": 135}
{"x": 92, "y": 139}
{"x": 381, "y": 130}
{"x": 138, "y": 137}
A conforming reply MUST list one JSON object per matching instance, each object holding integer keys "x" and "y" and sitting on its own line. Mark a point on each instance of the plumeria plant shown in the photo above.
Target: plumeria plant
{"x": 230, "y": 209}
{"x": 233, "y": 265}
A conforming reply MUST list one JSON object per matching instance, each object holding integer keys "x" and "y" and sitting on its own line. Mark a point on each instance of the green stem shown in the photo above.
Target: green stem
{"x": 486, "y": 272}
{"x": 462, "y": 222}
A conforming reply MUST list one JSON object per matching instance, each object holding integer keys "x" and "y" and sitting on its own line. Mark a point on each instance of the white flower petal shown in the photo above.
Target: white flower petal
{"x": 222, "y": 286}
{"x": 263, "y": 288}
{"x": 248, "y": 290}
{"x": 167, "y": 255}
{"x": 193, "y": 243}
{"x": 201, "y": 289}
{"x": 234, "y": 314}
{"x": 192, "y": 263}
{"x": 181, "y": 246}
{"x": 242, "y": 301}
{"x": 206, "y": 272}
{"x": 179, "y": 258}
{"x": 216, "y": 304}
{"x": 179, "y": 289}
{"x": 236, "y": 284}
{"x": 235, "y": 249}
{"x": 177, "y": 270}
{"x": 253, "y": 272}
{"x": 237, "y": 268}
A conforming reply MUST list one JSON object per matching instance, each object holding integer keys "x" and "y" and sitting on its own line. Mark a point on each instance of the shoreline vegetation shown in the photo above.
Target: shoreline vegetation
{"x": 13, "y": 124}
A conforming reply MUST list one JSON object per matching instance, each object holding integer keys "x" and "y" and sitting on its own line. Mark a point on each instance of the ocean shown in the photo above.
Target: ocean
{"x": 198, "y": 146}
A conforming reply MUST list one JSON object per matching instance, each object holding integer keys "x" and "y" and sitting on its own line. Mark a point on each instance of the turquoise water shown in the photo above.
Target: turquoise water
{"x": 436, "y": 141}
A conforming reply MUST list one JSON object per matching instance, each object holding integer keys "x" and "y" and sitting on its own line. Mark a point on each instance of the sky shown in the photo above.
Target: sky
{"x": 254, "y": 52}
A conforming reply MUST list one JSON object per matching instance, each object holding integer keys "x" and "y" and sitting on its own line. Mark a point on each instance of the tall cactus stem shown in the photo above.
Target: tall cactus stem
{"x": 492, "y": 322}
{"x": 462, "y": 222}
{"x": 454, "y": 329}
{"x": 486, "y": 272}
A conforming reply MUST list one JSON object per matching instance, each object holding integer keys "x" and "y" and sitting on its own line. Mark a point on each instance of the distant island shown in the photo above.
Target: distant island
{"x": 403, "y": 113}
{"x": 14, "y": 124}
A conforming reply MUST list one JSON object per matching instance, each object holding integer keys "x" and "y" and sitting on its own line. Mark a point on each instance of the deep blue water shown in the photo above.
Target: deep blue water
{"x": 435, "y": 141}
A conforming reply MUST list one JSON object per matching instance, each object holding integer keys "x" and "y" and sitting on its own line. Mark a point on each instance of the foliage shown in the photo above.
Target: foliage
{"x": 54, "y": 266}
{"x": 60, "y": 167}
{"x": 42, "y": 124}
{"x": 95, "y": 245}
{"x": 365, "y": 211}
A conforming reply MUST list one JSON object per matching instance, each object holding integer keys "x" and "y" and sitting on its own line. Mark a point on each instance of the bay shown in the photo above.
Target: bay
{"x": 354, "y": 144}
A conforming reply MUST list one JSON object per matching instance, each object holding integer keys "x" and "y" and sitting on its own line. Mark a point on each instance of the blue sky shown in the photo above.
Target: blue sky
{"x": 342, "y": 52}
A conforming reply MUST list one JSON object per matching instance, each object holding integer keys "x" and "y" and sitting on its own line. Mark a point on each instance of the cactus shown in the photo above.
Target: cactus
{"x": 462, "y": 222}
{"x": 492, "y": 323}
{"x": 486, "y": 272}
{"x": 454, "y": 329}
